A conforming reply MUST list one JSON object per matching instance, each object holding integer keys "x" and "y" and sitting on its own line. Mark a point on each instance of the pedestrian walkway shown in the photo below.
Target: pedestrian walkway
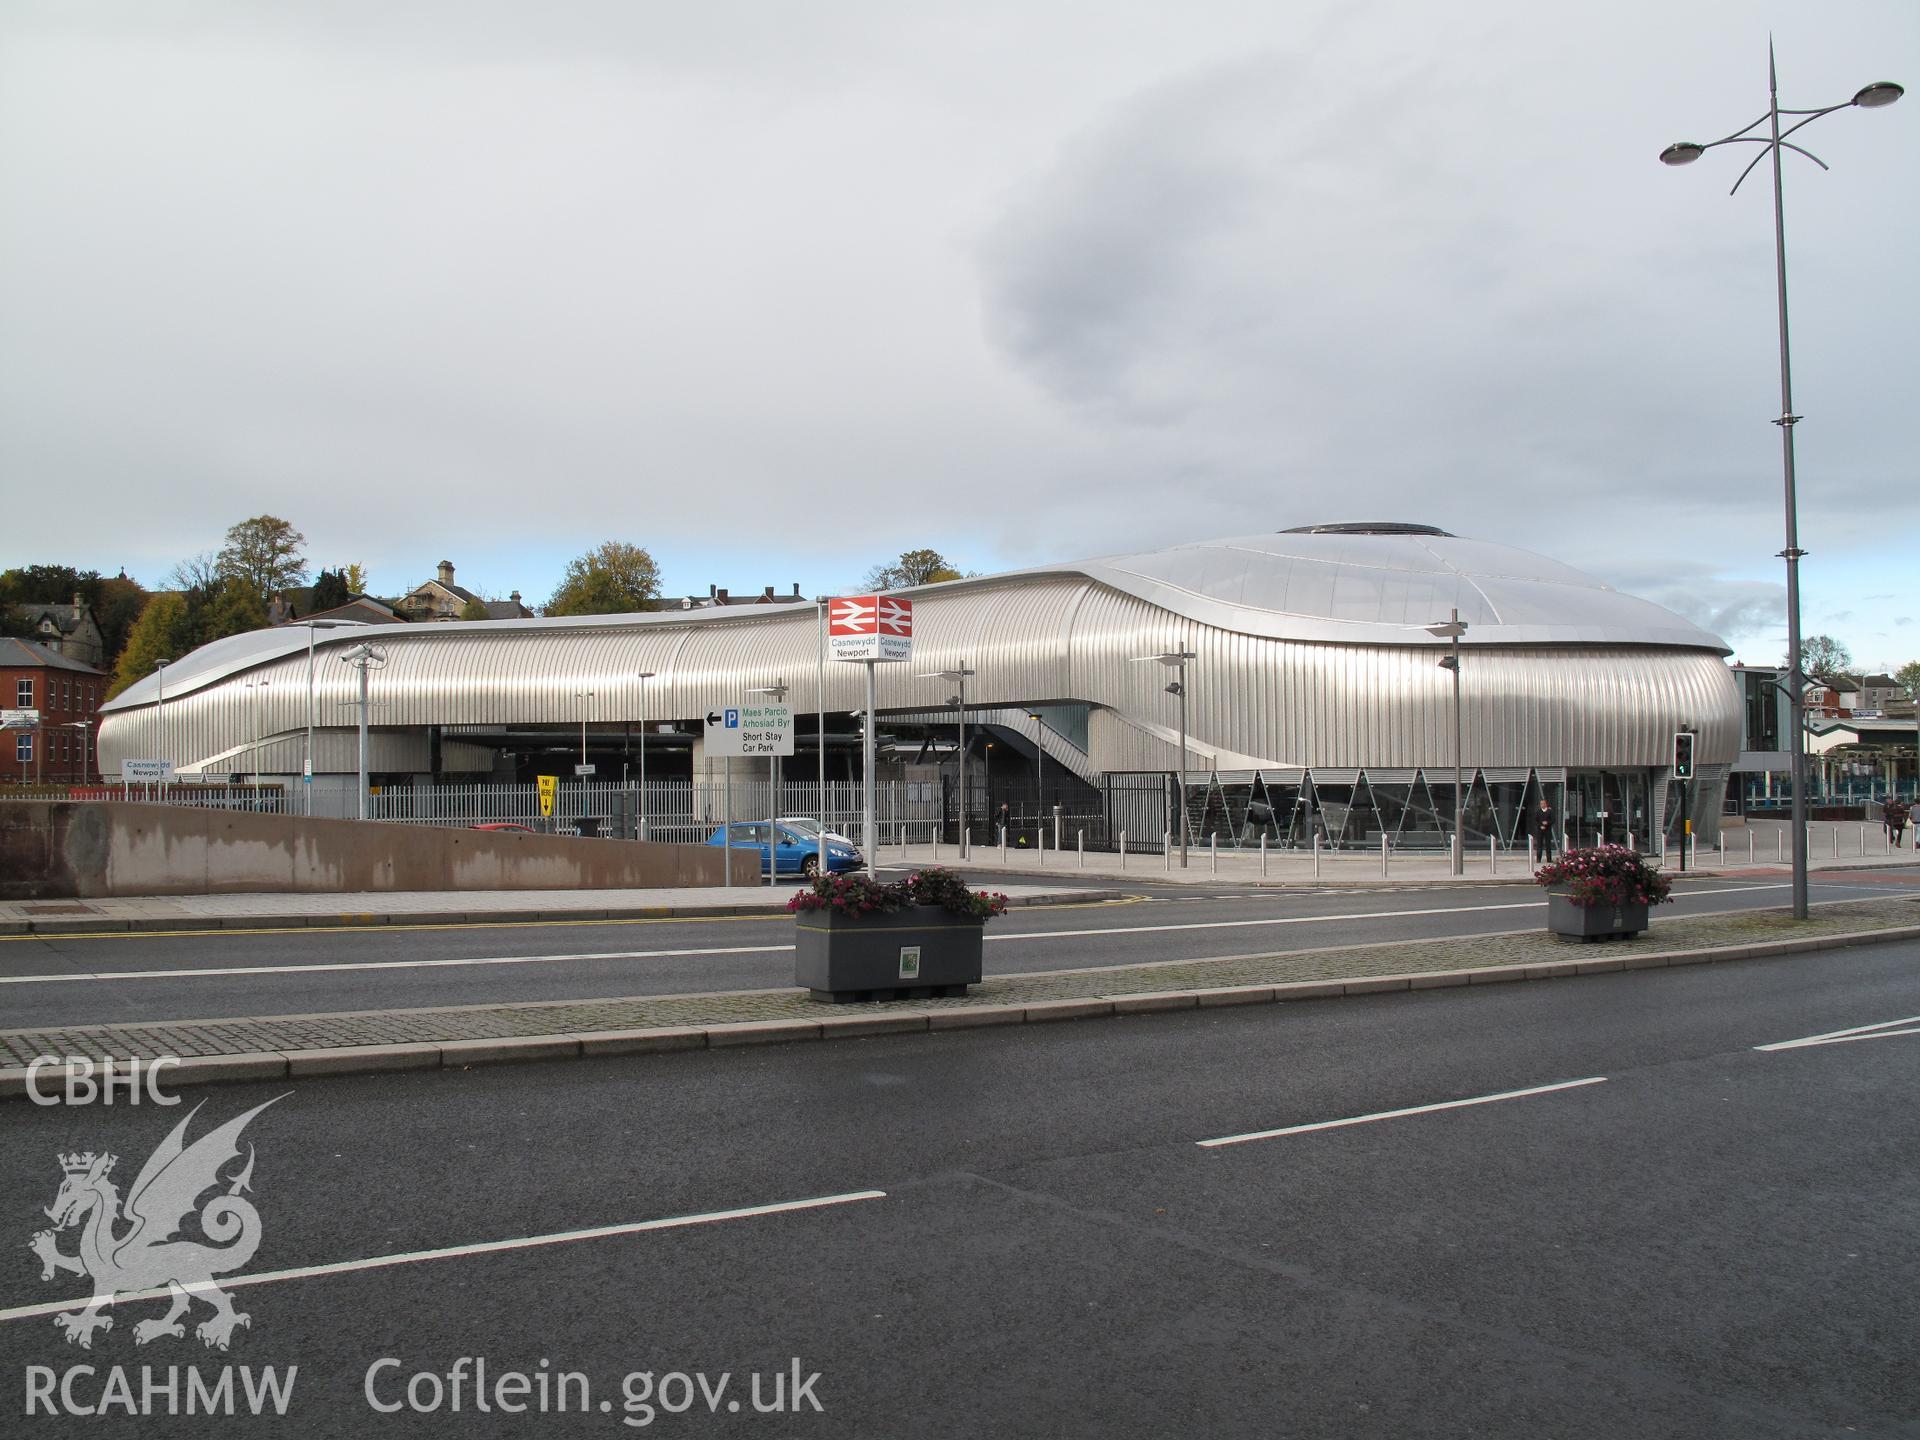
{"x": 1831, "y": 845}
{"x": 299, "y": 1045}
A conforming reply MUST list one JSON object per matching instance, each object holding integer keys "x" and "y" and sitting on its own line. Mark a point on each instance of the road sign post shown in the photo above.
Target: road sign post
{"x": 549, "y": 784}
{"x": 750, "y": 728}
{"x": 874, "y": 630}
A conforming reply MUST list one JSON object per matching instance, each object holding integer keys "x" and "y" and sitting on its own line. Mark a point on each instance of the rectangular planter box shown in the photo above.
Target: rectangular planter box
{"x": 911, "y": 953}
{"x": 1593, "y": 922}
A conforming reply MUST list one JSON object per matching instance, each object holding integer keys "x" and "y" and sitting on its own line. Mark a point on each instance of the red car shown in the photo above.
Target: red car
{"x": 502, "y": 825}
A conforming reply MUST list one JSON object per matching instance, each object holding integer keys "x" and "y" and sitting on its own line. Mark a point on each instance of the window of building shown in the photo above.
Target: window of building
{"x": 23, "y": 749}
{"x": 23, "y": 693}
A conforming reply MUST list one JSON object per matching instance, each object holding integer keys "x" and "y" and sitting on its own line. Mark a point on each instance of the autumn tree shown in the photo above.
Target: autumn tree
{"x": 475, "y": 609}
{"x": 914, "y": 567}
{"x": 164, "y": 631}
{"x": 355, "y": 576}
{"x": 612, "y": 579}
{"x": 1909, "y": 677}
{"x": 265, "y": 552}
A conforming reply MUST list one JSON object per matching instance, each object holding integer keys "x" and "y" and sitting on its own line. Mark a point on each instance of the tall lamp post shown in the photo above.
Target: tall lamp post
{"x": 1040, "y": 769}
{"x": 1452, "y": 629}
{"x": 364, "y": 657}
{"x": 1871, "y": 97}
{"x": 585, "y": 697}
{"x": 258, "y": 705}
{"x": 959, "y": 702}
{"x": 160, "y": 707}
{"x": 1176, "y": 660}
{"x": 643, "y": 676}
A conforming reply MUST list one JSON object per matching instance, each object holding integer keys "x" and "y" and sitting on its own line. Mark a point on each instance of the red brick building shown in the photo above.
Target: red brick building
{"x": 67, "y": 695}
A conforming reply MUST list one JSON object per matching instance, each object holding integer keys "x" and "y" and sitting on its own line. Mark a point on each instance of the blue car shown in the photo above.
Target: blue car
{"x": 792, "y": 852}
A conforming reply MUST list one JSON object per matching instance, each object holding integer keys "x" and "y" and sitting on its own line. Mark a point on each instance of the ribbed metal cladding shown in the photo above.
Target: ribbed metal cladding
{"x": 1254, "y": 701}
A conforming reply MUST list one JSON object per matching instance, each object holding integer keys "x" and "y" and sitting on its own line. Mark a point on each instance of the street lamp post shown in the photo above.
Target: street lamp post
{"x": 1176, "y": 660}
{"x": 586, "y": 703}
{"x": 643, "y": 676}
{"x": 258, "y": 705}
{"x": 1040, "y": 768}
{"x": 1452, "y": 629}
{"x": 959, "y": 702}
{"x": 1870, "y": 97}
{"x": 364, "y": 657}
{"x": 160, "y": 706}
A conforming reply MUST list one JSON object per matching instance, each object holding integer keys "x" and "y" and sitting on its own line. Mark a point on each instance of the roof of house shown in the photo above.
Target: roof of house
{"x": 22, "y": 654}
{"x": 60, "y": 612}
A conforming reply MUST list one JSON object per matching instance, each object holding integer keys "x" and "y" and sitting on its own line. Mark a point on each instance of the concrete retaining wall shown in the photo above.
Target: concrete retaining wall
{"x": 80, "y": 849}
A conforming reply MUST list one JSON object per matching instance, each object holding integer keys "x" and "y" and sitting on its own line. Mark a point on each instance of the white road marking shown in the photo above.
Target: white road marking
{"x": 1397, "y": 1114}
{"x": 382, "y": 965}
{"x": 1882, "y": 1031}
{"x": 456, "y": 1252}
{"x": 321, "y": 967}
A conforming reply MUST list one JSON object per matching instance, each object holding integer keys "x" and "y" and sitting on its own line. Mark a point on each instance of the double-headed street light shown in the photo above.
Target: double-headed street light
{"x": 1870, "y": 97}
{"x": 1176, "y": 660}
{"x": 959, "y": 702}
{"x": 1452, "y": 629}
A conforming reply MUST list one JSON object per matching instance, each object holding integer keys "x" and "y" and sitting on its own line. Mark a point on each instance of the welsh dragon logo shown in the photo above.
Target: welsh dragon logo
{"x": 142, "y": 1248}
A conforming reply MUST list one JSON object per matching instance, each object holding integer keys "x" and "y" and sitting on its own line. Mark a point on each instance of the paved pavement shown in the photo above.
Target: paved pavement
{"x": 1025, "y": 1238}
{"x": 1830, "y": 844}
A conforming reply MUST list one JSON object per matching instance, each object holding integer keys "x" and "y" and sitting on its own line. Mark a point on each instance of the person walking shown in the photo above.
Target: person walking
{"x": 1546, "y": 832}
{"x": 1894, "y": 815}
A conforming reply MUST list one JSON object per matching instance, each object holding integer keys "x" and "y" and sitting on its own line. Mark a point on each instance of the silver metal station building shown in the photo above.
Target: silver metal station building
{"x": 1317, "y": 704}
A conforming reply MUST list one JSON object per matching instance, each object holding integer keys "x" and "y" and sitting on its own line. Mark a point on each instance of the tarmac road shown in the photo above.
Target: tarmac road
{"x": 1027, "y": 1238}
{"x": 118, "y": 978}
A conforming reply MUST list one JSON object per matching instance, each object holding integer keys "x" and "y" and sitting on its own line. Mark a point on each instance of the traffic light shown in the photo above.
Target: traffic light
{"x": 1683, "y": 755}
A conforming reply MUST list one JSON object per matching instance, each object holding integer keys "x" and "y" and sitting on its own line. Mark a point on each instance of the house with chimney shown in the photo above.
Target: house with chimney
{"x": 718, "y": 596}
{"x": 442, "y": 598}
{"x": 68, "y": 630}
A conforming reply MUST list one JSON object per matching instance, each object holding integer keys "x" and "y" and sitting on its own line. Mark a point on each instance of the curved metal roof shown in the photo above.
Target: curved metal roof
{"x": 1331, "y": 585}
{"x": 1381, "y": 587}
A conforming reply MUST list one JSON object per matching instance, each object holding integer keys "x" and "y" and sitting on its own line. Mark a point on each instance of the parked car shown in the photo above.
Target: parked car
{"x": 793, "y": 853}
{"x": 502, "y": 825}
{"x": 810, "y": 828}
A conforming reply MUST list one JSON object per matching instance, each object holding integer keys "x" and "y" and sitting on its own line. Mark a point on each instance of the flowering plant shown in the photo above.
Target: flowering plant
{"x": 859, "y": 894}
{"x": 939, "y": 886}
{"x": 1606, "y": 875}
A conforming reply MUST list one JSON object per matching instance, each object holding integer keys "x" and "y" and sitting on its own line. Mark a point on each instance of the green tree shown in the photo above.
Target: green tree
{"x": 164, "y": 631}
{"x": 914, "y": 567}
{"x": 232, "y": 609}
{"x": 265, "y": 552}
{"x": 355, "y": 576}
{"x": 475, "y": 609}
{"x": 120, "y": 603}
{"x": 48, "y": 585}
{"x": 329, "y": 591}
{"x": 1909, "y": 677}
{"x": 612, "y": 579}
{"x": 1822, "y": 657}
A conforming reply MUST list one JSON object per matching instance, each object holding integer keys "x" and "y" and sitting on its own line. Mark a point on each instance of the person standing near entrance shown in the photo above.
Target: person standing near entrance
{"x": 1546, "y": 832}
{"x": 1895, "y": 814}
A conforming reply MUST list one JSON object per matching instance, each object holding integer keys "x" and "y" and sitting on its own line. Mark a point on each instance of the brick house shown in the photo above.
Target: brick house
{"x": 68, "y": 697}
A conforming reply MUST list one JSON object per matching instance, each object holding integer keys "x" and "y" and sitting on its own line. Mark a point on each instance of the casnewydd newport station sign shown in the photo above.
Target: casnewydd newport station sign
{"x": 755, "y": 729}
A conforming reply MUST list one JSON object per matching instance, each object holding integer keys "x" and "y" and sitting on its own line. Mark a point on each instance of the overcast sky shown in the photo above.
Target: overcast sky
{"x": 779, "y": 290}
